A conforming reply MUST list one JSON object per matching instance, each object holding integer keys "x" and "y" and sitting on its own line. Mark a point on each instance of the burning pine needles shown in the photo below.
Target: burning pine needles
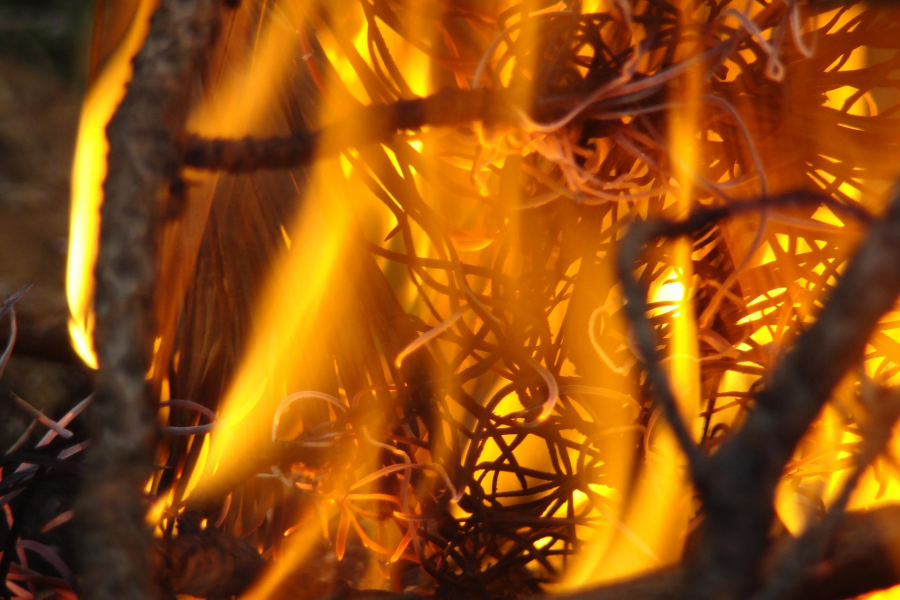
{"x": 485, "y": 299}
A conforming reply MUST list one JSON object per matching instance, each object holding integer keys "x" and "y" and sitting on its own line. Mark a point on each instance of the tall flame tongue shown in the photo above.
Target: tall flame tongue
{"x": 818, "y": 472}
{"x": 88, "y": 172}
{"x": 309, "y": 295}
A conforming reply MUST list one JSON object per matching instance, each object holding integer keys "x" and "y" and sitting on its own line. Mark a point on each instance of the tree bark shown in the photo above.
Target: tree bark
{"x": 145, "y": 140}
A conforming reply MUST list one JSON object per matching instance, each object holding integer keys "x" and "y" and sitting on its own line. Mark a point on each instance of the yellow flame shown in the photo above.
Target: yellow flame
{"x": 817, "y": 476}
{"x": 296, "y": 549}
{"x": 661, "y": 525}
{"x": 870, "y": 492}
{"x": 249, "y": 87}
{"x": 648, "y": 532}
{"x": 293, "y": 309}
{"x": 88, "y": 172}
{"x": 296, "y": 307}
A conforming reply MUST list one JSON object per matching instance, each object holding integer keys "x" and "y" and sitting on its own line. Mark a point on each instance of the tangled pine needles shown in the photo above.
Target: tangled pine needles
{"x": 477, "y": 432}
{"x": 480, "y": 416}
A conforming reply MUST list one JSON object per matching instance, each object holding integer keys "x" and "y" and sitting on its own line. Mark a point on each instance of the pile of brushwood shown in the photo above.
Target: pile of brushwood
{"x": 532, "y": 195}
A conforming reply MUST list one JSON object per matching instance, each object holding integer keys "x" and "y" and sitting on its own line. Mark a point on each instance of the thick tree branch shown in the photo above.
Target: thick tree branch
{"x": 205, "y": 564}
{"x": 636, "y": 307}
{"x": 810, "y": 547}
{"x": 145, "y": 136}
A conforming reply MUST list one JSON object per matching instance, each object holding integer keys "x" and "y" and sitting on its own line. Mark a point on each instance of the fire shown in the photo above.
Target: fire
{"x": 435, "y": 326}
{"x": 796, "y": 502}
{"x": 294, "y": 309}
{"x": 88, "y": 171}
{"x": 819, "y": 473}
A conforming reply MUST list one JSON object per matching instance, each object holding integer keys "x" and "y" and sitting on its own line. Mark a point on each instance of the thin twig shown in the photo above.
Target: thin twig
{"x": 372, "y": 124}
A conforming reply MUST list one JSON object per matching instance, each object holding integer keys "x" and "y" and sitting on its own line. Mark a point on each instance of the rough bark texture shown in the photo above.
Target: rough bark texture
{"x": 205, "y": 565}
{"x": 734, "y": 553}
{"x": 145, "y": 138}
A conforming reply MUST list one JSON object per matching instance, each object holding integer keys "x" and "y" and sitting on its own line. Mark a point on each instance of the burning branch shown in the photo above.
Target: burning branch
{"x": 145, "y": 138}
{"x": 738, "y": 485}
{"x": 205, "y": 565}
{"x": 643, "y": 233}
{"x": 858, "y": 561}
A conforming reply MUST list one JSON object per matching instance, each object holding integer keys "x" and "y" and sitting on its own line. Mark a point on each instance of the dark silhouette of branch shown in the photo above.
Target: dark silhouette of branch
{"x": 737, "y": 483}
{"x": 858, "y": 561}
{"x": 371, "y": 124}
{"x": 734, "y": 551}
{"x": 206, "y": 564}
{"x": 810, "y": 547}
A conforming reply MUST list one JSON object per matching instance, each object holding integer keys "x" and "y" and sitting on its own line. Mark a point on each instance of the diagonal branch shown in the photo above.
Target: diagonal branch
{"x": 737, "y": 484}
{"x": 636, "y": 308}
{"x": 809, "y": 548}
{"x": 743, "y": 474}
{"x": 860, "y": 559}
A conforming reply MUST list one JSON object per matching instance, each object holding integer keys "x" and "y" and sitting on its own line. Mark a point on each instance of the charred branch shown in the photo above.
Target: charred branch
{"x": 600, "y": 148}
{"x": 858, "y": 559}
{"x": 809, "y": 548}
{"x": 205, "y": 565}
{"x": 738, "y": 486}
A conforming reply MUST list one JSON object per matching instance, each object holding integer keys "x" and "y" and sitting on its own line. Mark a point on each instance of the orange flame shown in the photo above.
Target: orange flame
{"x": 88, "y": 172}
{"x": 296, "y": 308}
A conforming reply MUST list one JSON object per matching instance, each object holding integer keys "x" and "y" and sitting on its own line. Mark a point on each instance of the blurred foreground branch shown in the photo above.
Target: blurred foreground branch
{"x": 144, "y": 136}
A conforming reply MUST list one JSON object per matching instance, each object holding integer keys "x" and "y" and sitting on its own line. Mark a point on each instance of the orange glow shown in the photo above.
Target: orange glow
{"x": 300, "y": 281}
{"x": 870, "y": 492}
{"x": 295, "y": 551}
{"x": 624, "y": 516}
{"x": 649, "y": 531}
{"x": 827, "y": 442}
{"x": 245, "y": 95}
{"x": 299, "y": 306}
{"x": 88, "y": 172}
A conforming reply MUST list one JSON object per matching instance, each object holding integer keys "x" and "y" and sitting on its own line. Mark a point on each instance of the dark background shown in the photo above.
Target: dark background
{"x": 44, "y": 58}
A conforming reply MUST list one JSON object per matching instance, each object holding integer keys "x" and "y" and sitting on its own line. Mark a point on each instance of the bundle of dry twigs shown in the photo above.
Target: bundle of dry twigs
{"x": 459, "y": 429}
